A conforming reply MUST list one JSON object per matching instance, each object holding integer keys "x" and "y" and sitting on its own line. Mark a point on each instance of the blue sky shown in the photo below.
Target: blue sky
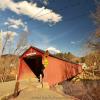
{"x": 68, "y": 29}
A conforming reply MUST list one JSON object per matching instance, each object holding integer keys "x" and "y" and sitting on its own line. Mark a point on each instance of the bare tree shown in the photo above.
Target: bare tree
{"x": 7, "y": 65}
{"x": 7, "y": 37}
{"x": 22, "y": 42}
{"x": 94, "y": 42}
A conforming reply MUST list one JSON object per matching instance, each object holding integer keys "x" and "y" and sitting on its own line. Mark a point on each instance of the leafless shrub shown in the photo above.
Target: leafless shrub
{"x": 84, "y": 90}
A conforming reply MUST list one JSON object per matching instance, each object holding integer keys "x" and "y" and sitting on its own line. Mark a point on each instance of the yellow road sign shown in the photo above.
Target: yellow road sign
{"x": 45, "y": 62}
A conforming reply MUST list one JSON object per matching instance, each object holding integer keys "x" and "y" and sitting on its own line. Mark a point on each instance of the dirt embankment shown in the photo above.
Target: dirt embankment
{"x": 84, "y": 90}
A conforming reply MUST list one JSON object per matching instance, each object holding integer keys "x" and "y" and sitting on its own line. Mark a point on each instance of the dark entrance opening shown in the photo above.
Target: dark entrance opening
{"x": 35, "y": 64}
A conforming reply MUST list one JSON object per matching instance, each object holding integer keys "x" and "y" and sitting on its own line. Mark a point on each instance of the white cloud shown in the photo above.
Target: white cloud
{"x": 54, "y": 50}
{"x": 45, "y": 2}
{"x": 10, "y": 34}
{"x": 31, "y": 10}
{"x": 16, "y": 23}
{"x": 13, "y": 26}
{"x": 75, "y": 42}
{"x": 6, "y": 23}
{"x": 8, "y": 4}
{"x": 72, "y": 42}
{"x": 25, "y": 28}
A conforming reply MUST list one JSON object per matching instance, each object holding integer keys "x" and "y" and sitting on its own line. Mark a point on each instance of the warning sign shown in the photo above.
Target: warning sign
{"x": 45, "y": 63}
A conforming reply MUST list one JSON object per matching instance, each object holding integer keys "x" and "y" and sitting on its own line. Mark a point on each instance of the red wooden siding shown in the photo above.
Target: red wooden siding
{"x": 58, "y": 70}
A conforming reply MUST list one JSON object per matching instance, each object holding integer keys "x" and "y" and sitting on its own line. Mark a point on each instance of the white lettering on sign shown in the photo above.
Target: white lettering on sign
{"x": 30, "y": 54}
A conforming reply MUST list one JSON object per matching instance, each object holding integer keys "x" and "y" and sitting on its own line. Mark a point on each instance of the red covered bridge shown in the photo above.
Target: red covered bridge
{"x": 34, "y": 62}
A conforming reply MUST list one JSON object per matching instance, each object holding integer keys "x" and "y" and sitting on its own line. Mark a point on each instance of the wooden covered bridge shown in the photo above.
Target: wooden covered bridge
{"x": 34, "y": 62}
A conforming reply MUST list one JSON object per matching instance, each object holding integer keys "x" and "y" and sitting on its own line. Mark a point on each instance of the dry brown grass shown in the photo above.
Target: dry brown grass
{"x": 8, "y": 67}
{"x": 84, "y": 90}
